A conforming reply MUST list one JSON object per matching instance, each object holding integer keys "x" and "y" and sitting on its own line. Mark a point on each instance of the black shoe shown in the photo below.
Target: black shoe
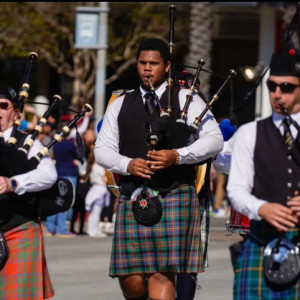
{"x": 82, "y": 233}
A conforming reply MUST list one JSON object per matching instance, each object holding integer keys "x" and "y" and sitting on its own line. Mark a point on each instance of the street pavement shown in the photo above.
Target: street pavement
{"x": 79, "y": 267}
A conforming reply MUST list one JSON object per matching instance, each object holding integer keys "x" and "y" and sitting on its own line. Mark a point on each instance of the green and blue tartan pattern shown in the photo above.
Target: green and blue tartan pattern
{"x": 172, "y": 245}
{"x": 249, "y": 281}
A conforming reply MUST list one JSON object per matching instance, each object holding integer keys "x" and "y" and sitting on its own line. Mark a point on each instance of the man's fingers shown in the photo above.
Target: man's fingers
{"x": 279, "y": 226}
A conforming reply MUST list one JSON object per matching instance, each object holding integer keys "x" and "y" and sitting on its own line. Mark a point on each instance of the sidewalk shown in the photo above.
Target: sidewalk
{"x": 79, "y": 267}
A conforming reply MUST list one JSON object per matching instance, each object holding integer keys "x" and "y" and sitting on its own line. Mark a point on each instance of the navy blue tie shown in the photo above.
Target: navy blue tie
{"x": 150, "y": 107}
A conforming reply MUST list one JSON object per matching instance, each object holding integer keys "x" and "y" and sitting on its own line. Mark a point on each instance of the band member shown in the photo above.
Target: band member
{"x": 263, "y": 183}
{"x": 25, "y": 274}
{"x": 186, "y": 283}
{"x": 147, "y": 258}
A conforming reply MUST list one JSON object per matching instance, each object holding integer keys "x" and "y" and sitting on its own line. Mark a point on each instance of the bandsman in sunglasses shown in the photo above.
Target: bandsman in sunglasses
{"x": 264, "y": 183}
{"x": 25, "y": 274}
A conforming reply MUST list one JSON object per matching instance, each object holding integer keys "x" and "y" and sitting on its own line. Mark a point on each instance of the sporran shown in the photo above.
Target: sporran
{"x": 146, "y": 207}
{"x": 281, "y": 263}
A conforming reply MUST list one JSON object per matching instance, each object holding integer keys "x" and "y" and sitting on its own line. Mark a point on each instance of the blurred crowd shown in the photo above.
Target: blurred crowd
{"x": 93, "y": 209}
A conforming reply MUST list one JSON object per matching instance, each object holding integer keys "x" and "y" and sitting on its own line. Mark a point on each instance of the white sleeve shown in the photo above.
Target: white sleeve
{"x": 40, "y": 178}
{"x": 210, "y": 139}
{"x": 241, "y": 175}
{"x": 107, "y": 142}
{"x": 223, "y": 159}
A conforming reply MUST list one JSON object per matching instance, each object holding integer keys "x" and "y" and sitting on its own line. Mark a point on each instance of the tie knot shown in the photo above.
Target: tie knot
{"x": 286, "y": 122}
{"x": 148, "y": 96}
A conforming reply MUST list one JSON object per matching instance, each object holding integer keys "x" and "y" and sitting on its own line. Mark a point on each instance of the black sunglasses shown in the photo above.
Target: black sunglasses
{"x": 4, "y": 105}
{"x": 285, "y": 87}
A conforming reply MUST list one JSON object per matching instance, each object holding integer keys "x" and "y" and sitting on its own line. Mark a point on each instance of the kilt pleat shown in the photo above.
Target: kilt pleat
{"x": 249, "y": 281}
{"x": 172, "y": 245}
{"x": 25, "y": 275}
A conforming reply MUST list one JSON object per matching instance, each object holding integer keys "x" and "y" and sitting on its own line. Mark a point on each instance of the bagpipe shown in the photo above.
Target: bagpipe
{"x": 281, "y": 257}
{"x": 60, "y": 197}
{"x": 172, "y": 134}
{"x": 23, "y": 93}
{"x": 165, "y": 132}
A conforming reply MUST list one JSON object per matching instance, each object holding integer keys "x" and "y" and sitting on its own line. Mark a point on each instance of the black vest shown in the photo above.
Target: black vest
{"x": 16, "y": 210}
{"x": 132, "y": 143}
{"x": 276, "y": 172}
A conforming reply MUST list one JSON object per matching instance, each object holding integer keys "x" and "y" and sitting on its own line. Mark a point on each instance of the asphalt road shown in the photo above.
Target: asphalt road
{"x": 79, "y": 267}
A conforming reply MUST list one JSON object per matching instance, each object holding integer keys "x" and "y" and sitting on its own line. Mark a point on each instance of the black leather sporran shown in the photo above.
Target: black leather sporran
{"x": 146, "y": 207}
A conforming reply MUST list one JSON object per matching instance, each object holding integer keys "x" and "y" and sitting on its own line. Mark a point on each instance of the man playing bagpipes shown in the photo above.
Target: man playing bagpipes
{"x": 147, "y": 255}
{"x": 264, "y": 185}
{"x": 25, "y": 274}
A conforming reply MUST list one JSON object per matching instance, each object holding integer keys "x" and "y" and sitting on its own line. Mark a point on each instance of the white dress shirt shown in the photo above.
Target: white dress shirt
{"x": 223, "y": 159}
{"x": 210, "y": 140}
{"x": 241, "y": 175}
{"x": 41, "y": 178}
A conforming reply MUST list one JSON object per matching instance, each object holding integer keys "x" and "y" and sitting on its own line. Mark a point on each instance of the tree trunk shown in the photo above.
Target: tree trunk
{"x": 200, "y": 43}
{"x": 84, "y": 77}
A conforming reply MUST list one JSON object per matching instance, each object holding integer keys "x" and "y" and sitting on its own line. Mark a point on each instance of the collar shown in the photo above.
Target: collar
{"x": 277, "y": 118}
{"x": 7, "y": 133}
{"x": 159, "y": 90}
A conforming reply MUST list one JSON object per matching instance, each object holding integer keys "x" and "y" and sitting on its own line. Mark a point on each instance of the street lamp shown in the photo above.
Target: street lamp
{"x": 91, "y": 33}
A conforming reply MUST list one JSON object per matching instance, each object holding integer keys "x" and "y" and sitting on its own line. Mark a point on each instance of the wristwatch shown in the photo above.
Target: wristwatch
{"x": 14, "y": 184}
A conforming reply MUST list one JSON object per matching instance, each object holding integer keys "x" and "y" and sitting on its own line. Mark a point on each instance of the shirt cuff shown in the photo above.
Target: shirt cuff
{"x": 183, "y": 152}
{"x": 20, "y": 190}
{"x": 256, "y": 206}
{"x": 124, "y": 164}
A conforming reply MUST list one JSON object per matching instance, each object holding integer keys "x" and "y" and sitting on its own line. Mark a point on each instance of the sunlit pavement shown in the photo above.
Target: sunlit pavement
{"x": 79, "y": 267}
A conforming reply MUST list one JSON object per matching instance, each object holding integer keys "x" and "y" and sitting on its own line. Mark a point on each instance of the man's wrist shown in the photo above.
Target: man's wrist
{"x": 14, "y": 184}
{"x": 176, "y": 162}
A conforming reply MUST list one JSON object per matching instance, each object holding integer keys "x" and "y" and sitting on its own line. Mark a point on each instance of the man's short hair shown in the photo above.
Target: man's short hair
{"x": 154, "y": 44}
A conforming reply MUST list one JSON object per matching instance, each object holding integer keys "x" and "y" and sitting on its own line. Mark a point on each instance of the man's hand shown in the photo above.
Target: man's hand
{"x": 5, "y": 185}
{"x": 294, "y": 204}
{"x": 140, "y": 167}
{"x": 278, "y": 215}
{"x": 161, "y": 159}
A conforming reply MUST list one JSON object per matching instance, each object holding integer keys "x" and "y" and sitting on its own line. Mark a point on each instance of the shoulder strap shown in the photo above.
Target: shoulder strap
{"x": 116, "y": 94}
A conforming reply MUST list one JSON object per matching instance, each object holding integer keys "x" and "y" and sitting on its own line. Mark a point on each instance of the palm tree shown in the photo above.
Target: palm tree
{"x": 200, "y": 41}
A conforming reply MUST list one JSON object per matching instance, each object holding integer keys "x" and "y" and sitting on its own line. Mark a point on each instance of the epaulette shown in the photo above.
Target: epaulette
{"x": 117, "y": 93}
{"x": 121, "y": 92}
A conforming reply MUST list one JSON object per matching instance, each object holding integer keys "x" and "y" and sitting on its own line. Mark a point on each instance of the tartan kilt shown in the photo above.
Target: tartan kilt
{"x": 25, "y": 275}
{"x": 249, "y": 280}
{"x": 172, "y": 245}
